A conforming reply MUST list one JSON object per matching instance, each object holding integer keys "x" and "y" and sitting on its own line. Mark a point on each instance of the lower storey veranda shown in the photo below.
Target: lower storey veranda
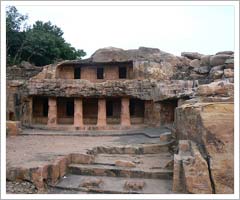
{"x": 79, "y": 112}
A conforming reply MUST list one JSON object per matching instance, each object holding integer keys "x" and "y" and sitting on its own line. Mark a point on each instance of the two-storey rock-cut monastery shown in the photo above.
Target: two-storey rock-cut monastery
{"x": 113, "y": 89}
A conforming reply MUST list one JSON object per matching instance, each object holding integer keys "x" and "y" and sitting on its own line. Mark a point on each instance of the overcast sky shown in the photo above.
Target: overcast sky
{"x": 206, "y": 29}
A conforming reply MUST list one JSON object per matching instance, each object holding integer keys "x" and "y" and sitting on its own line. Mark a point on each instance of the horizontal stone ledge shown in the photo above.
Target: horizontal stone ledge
{"x": 143, "y": 89}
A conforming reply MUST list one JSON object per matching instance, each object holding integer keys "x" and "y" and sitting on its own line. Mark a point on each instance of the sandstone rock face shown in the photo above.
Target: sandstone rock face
{"x": 191, "y": 173}
{"x": 211, "y": 125}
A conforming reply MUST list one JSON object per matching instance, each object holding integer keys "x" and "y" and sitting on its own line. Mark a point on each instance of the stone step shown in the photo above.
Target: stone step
{"x": 117, "y": 171}
{"x": 112, "y": 185}
{"x": 146, "y": 161}
{"x": 159, "y": 147}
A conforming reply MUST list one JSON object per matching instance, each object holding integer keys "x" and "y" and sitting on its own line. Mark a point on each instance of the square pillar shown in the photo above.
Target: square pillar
{"x": 78, "y": 112}
{"x": 102, "y": 118}
{"x": 125, "y": 114}
{"x": 52, "y": 111}
{"x": 30, "y": 109}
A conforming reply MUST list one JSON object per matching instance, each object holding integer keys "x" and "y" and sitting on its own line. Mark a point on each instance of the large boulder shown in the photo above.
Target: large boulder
{"x": 192, "y": 55}
{"x": 195, "y": 63}
{"x": 228, "y": 73}
{"x": 229, "y": 63}
{"x": 205, "y": 60}
{"x": 225, "y": 52}
{"x": 220, "y": 88}
{"x": 202, "y": 69}
{"x": 110, "y": 54}
{"x": 218, "y": 59}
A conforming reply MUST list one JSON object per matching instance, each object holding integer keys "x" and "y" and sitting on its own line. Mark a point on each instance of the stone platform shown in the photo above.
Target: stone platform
{"x": 151, "y": 132}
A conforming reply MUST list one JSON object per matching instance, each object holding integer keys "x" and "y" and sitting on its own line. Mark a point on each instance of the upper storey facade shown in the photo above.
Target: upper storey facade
{"x": 95, "y": 72}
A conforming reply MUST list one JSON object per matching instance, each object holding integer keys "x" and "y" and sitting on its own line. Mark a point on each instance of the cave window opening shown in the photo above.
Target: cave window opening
{"x": 122, "y": 72}
{"x": 77, "y": 73}
{"x": 100, "y": 73}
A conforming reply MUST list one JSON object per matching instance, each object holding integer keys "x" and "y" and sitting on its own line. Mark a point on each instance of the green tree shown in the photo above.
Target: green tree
{"x": 42, "y": 44}
{"x": 14, "y": 35}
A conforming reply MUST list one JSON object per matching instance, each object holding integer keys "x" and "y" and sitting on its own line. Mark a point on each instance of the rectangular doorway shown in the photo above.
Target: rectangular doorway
{"x": 90, "y": 111}
{"x": 113, "y": 110}
{"x": 65, "y": 110}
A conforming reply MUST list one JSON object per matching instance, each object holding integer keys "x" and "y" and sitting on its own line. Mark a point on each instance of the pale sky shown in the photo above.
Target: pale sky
{"x": 174, "y": 29}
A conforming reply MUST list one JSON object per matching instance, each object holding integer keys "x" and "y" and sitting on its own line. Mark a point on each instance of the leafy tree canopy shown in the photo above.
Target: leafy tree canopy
{"x": 41, "y": 44}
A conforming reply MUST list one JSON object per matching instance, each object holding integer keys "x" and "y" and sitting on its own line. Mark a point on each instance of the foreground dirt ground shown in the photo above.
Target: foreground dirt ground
{"x": 32, "y": 151}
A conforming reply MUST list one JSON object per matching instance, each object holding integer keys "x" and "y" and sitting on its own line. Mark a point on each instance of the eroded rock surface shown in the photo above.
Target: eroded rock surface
{"x": 191, "y": 173}
{"x": 212, "y": 126}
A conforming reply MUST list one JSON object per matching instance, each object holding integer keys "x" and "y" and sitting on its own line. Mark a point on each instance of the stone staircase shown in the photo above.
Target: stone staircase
{"x": 138, "y": 169}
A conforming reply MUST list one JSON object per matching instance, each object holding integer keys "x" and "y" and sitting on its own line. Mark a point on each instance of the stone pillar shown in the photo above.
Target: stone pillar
{"x": 102, "y": 118}
{"x": 52, "y": 111}
{"x": 125, "y": 114}
{"x": 78, "y": 112}
{"x": 30, "y": 109}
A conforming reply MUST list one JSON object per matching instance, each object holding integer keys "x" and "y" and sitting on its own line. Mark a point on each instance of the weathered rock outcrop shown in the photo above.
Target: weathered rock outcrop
{"x": 207, "y": 68}
{"x": 211, "y": 125}
{"x": 191, "y": 174}
{"x": 23, "y": 71}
